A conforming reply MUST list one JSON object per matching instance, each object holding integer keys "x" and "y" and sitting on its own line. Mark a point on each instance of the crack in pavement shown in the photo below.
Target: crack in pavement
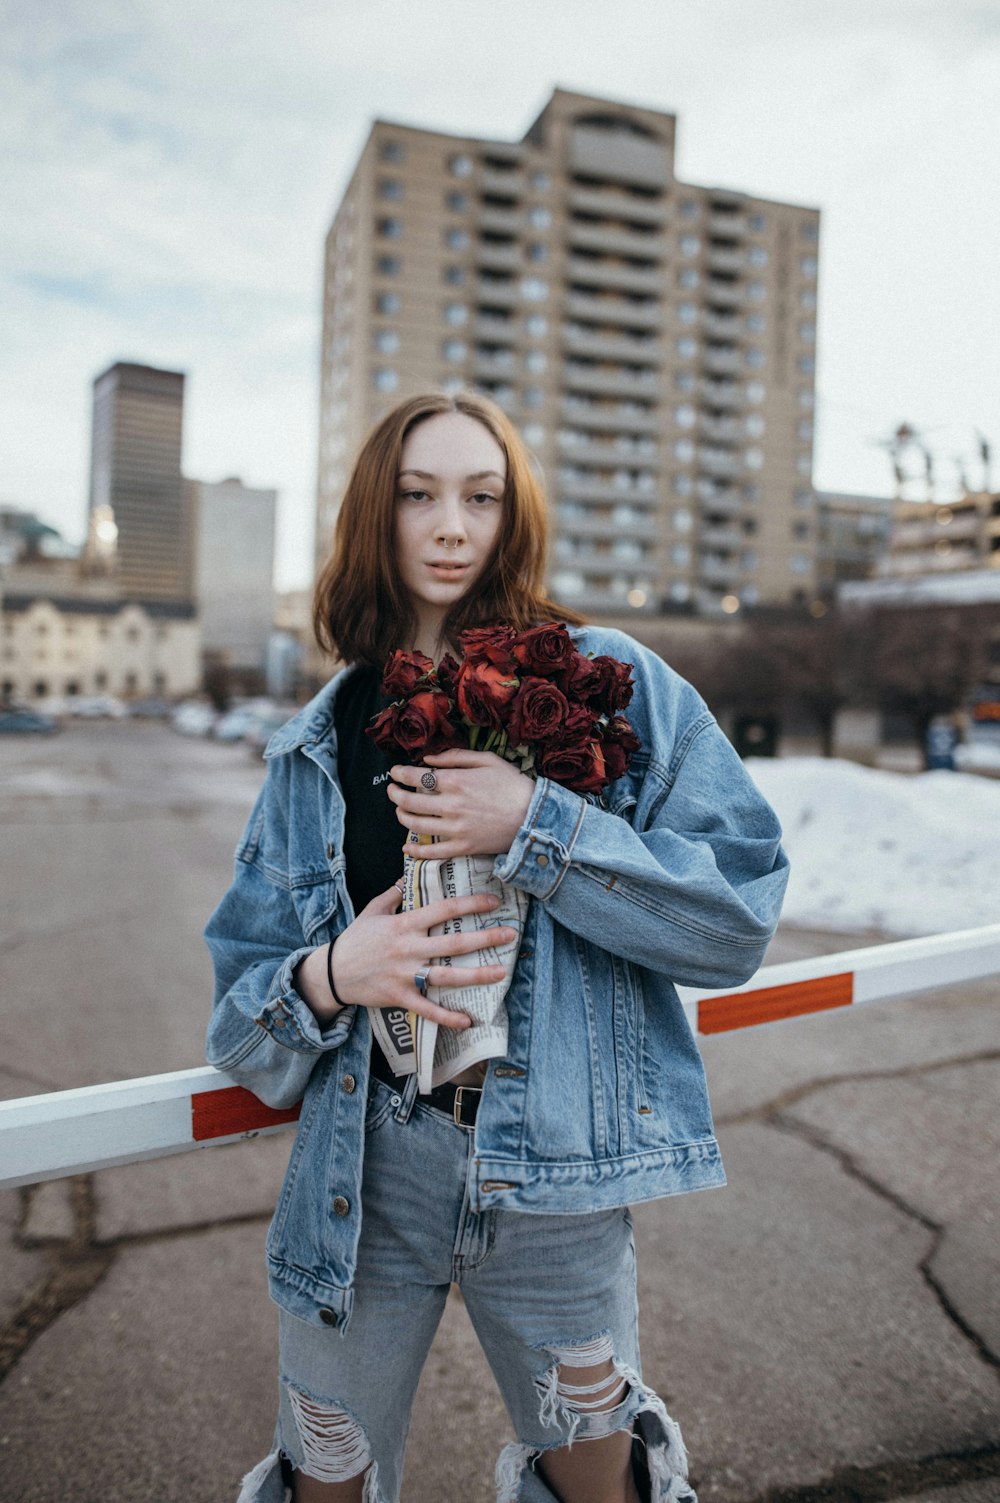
{"x": 892, "y": 1479}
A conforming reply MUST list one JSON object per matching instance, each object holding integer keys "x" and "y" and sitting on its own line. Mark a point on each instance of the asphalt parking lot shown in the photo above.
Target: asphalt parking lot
{"x": 826, "y": 1328}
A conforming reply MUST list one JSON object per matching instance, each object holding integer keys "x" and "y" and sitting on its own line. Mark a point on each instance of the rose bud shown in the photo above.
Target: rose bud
{"x": 482, "y": 691}
{"x": 404, "y": 670}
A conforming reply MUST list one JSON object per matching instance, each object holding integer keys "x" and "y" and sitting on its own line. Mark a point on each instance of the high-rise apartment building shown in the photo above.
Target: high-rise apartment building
{"x": 654, "y": 342}
{"x": 135, "y": 480}
{"x": 234, "y": 569}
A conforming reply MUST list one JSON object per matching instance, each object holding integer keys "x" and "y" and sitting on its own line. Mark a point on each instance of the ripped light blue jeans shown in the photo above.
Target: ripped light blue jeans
{"x": 540, "y": 1290}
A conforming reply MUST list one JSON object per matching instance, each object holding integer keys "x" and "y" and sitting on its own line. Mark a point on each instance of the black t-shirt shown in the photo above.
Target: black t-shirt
{"x": 373, "y": 836}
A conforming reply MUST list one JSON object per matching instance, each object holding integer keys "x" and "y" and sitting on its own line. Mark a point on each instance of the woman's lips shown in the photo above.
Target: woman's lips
{"x": 440, "y": 567}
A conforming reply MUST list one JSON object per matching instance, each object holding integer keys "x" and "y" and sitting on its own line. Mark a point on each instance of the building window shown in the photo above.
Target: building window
{"x": 807, "y": 298}
{"x": 534, "y": 360}
{"x": 391, "y": 188}
{"x": 385, "y": 380}
{"x": 683, "y": 485}
{"x": 533, "y": 434}
{"x": 684, "y": 380}
{"x": 541, "y": 182}
{"x": 806, "y": 364}
{"x": 689, "y": 208}
{"x": 680, "y": 554}
{"x": 687, "y": 313}
{"x": 800, "y": 563}
{"x": 800, "y": 529}
{"x": 456, "y": 239}
{"x": 534, "y": 289}
{"x": 390, "y": 228}
{"x": 533, "y": 396}
{"x": 387, "y": 302}
{"x": 536, "y": 325}
{"x": 804, "y": 464}
{"x": 757, "y": 223}
{"x": 455, "y": 275}
{"x": 807, "y": 333}
{"x": 756, "y": 323}
{"x": 808, "y": 266}
{"x": 684, "y": 450}
{"x": 690, "y": 245}
{"x": 454, "y": 349}
{"x": 684, "y": 416}
{"x": 755, "y": 391}
{"x": 809, "y": 230}
{"x": 688, "y": 277}
{"x": 682, "y": 517}
{"x": 539, "y": 218}
{"x": 754, "y": 357}
{"x": 804, "y": 431}
{"x": 456, "y": 313}
{"x": 757, "y": 255}
{"x": 748, "y": 560}
{"x": 387, "y": 266}
{"x": 753, "y": 458}
{"x": 387, "y": 340}
{"x": 391, "y": 151}
{"x": 687, "y": 347}
{"x": 460, "y": 165}
{"x": 802, "y": 497}
{"x": 537, "y": 252}
{"x": 754, "y": 424}
{"x": 756, "y": 292}
{"x": 457, "y": 202}
{"x": 751, "y": 491}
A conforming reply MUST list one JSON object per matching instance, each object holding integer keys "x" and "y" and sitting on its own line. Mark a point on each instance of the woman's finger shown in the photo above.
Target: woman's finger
{"x": 475, "y": 939}
{"x": 450, "y": 976}
{"x": 386, "y": 902}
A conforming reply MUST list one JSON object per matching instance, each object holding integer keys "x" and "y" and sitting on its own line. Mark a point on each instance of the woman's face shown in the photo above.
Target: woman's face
{"x": 449, "y": 504}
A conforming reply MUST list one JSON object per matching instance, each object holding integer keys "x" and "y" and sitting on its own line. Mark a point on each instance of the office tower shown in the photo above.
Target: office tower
{"x": 653, "y": 341}
{"x": 234, "y": 569}
{"x": 135, "y": 480}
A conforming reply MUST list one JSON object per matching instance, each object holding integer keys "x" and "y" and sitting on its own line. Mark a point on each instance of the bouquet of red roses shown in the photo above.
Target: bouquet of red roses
{"x": 529, "y": 696}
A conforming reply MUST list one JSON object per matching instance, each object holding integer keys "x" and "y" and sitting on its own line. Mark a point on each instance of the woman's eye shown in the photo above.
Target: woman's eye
{"x": 485, "y": 497}
{"x": 413, "y": 496}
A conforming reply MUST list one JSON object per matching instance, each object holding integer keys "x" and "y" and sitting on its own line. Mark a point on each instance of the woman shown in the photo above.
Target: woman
{"x": 513, "y": 1181}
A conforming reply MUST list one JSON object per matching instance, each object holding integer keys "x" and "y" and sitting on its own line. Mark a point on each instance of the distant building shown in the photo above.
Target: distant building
{"x": 137, "y": 513}
{"x": 931, "y": 537}
{"x": 65, "y": 636}
{"x": 234, "y": 569}
{"x": 653, "y": 340}
{"x": 25, "y": 537}
{"x": 852, "y": 536}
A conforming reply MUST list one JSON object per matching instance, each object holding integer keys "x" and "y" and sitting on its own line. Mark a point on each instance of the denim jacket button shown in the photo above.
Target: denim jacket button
{"x": 341, "y": 1205}
{"x": 542, "y": 860}
{"x": 327, "y": 1316}
{"x": 348, "y": 1083}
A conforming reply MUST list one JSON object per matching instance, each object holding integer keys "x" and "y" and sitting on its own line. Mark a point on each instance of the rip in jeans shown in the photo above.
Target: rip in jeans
{"x": 617, "y": 1400}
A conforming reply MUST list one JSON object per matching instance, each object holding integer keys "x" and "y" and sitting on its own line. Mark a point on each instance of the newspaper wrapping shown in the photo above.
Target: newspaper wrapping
{"x": 411, "y": 1043}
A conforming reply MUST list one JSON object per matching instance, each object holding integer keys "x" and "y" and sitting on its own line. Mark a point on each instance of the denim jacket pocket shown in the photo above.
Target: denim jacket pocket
{"x": 315, "y": 903}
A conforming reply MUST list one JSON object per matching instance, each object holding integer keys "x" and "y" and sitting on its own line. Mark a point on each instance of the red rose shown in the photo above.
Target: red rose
{"x": 619, "y": 743}
{"x": 482, "y": 690}
{"x": 544, "y": 650}
{"x": 578, "y": 767}
{"x": 417, "y": 727}
{"x": 579, "y": 678}
{"x": 447, "y": 675}
{"x": 489, "y": 644}
{"x": 404, "y": 670}
{"x": 613, "y": 688}
{"x": 538, "y": 712}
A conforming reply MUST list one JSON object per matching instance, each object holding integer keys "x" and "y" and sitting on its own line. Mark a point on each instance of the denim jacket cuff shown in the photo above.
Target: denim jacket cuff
{"x": 543, "y": 847}
{"x": 291, "y": 1022}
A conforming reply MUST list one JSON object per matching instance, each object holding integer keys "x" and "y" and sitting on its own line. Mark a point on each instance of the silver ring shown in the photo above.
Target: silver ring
{"x": 420, "y": 982}
{"x": 429, "y": 781}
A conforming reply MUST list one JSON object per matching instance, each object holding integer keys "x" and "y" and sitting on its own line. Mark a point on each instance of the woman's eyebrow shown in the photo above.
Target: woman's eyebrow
{"x": 426, "y": 475}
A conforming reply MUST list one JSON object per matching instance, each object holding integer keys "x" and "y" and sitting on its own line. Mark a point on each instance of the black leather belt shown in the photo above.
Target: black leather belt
{"x": 461, "y": 1102}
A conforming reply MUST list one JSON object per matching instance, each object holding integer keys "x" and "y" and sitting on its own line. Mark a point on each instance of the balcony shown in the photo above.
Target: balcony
{"x": 499, "y": 363}
{"x": 721, "y": 430}
{"x": 724, "y": 502}
{"x": 507, "y": 184}
{"x": 721, "y": 326}
{"x": 616, "y": 241}
{"x": 728, "y": 226}
{"x": 718, "y": 570}
{"x": 723, "y": 393}
{"x": 502, "y": 290}
{"x": 610, "y": 416}
{"x": 503, "y": 257}
{"x": 614, "y": 310}
{"x": 617, "y": 205}
{"x": 579, "y": 341}
{"x": 618, "y": 453}
{"x": 719, "y": 462}
{"x": 614, "y": 274}
{"x": 502, "y": 221}
{"x": 724, "y": 538}
{"x": 724, "y": 294}
{"x": 489, "y": 326}
{"x": 721, "y": 362}
{"x": 720, "y": 259}
{"x": 613, "y": 383}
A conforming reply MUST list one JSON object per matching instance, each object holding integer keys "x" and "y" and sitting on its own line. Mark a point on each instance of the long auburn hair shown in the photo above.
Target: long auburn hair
{"x": 361, "y": 610}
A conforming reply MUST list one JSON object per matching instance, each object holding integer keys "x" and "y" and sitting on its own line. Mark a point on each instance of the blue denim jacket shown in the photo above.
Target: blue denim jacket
{"x": 677, "y": 876}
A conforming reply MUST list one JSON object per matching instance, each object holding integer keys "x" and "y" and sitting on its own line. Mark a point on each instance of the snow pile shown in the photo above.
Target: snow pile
{"x": 883, "y": 850}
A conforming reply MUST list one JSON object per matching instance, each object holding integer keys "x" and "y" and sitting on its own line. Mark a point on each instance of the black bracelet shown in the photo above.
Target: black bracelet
{"x": 329, "y": 975}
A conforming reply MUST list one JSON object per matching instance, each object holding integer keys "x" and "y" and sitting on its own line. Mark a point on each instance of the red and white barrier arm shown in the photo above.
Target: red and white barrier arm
{"x": 97, "y": 1127}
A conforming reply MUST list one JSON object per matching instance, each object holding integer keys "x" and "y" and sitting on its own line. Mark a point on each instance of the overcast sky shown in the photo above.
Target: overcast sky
{"x": 172, "y": 167}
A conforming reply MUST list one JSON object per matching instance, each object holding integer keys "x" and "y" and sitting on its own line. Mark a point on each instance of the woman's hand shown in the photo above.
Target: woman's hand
{"x": 477, "y": 809}
{"x": 377, "y": 956}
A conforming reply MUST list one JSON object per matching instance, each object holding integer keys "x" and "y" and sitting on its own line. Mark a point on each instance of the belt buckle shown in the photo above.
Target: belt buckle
{"x": 457, "y": 1109}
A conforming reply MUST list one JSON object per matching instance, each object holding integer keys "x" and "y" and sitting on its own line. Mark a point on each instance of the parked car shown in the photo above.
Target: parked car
{"x": 264, "y": 726}
{"x": 152, "y": 708}
{"x": 18, "y": 722}
{"x": 234, "y": 724}
{"x": 97, "y": 707}
{"x": 194, "y": 718}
